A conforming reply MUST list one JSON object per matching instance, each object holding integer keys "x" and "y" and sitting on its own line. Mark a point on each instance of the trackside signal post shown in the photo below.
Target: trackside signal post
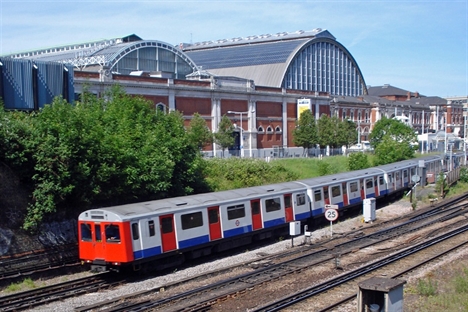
{"x": 331, "y": 214}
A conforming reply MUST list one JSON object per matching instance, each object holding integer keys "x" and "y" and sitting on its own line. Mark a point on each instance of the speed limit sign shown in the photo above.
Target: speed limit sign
{"x": 331, "y": 214}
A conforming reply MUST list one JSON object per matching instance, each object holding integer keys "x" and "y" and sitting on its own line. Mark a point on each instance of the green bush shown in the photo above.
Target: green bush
{"x": 427, "y": 288}
{"x": 358, "y": 161}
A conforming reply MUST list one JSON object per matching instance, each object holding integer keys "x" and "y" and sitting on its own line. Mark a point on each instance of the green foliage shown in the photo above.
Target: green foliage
{"x": 461, "y": 282}
{"x": 198, "y": 132}
{"x": 326, "y": 131}
{"x": 347, "y": 133}
{"x": 442, "y": 186}
{"x": 232, "y": 173}
{"x": 114, "y": 149}
{"x": 24, "y": 285}
{"x": 224, "y": 136}
{"x": 306, "y": 168}
{"x": 394, "y": 129}
{"x": 358, "y": 161}
{"x": 427, "y": 288}
{"x": 305, "y": 133}
{"x": 464, "y": 174}
{"x": 324, "y": 168}
{"x": 389, "y": 151}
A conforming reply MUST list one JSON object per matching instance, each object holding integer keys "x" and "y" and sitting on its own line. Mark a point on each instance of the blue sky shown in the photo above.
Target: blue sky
{"x": 414, "y": 45}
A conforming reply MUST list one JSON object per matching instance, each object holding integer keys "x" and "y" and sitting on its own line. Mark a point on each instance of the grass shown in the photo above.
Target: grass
{"x": 24, "y": 285}
{"x": 306, "y": 168}
{"x": 448, "y": 294}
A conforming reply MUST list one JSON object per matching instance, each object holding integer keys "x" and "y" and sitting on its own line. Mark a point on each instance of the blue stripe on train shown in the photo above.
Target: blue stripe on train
{"x": 238, "y": 231}
{"x": 194, "y": 241}
{"x": 149, "y": 252}
{"x": 274, "y": 222}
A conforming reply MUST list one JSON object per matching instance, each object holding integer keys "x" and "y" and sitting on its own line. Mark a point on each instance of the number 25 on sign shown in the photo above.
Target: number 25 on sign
{"x": 331, "y": 214}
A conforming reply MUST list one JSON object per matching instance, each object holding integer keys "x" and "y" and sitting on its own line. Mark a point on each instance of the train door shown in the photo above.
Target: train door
{"x": 288, "y": 209}
{"x": 397, "y": 180}
{"x": 376, "y": 187}
{"x": 318, "y": 203}
{"x": 215, "y": 222}
{"x": 326, "y": 196}
{"x": 168, "y": 236}
{"x": 256, "y": 214}
{"x": 99, "y": 247}
{"x": 390, "y": 183}
{"x": 369, "y": 187}
{"x": 344, "y": 187}
{"x": 136, "y": 240}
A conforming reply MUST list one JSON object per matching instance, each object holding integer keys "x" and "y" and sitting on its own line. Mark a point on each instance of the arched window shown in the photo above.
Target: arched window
{"x": 161, "y": 107}
{"x": 278, "y": 129}
{"x": 269, "y": 130}
{"x": 260, "y": 130}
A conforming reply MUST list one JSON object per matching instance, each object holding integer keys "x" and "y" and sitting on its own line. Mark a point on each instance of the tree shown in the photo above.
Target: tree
{"x": 305, "y": 133}
{"x": 392, "y": 141}
{"x": 398, "y": 130}
{"x": 347, "y": 132}
{"x": 198, "y": 132}
{"x": 358, "y": 161}
{"x": 224, "y": 136}
{"x": 326, "y": 131}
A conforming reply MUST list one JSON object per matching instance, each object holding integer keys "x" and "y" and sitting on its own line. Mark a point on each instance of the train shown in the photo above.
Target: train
{"x": 159, "y": 234}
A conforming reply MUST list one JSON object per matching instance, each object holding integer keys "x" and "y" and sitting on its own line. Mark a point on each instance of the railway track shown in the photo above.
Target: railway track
{"x": 44, "y": 295}
{"x": 209, "y": 296}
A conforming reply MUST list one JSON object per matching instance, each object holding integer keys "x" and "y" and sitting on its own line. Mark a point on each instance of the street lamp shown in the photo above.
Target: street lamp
{"x": 242, "y": 132}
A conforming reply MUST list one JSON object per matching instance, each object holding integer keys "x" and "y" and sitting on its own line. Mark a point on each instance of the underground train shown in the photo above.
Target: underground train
{"x": 163, "y": 233}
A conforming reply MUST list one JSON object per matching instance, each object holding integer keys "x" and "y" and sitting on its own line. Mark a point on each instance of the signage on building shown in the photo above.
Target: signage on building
{"x": 302, "y": 105}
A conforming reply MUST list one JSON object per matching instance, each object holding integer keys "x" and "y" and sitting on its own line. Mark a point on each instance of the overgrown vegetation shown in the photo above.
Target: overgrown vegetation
{"x": 114, "y": 149}
{"x": 358, "y": 161}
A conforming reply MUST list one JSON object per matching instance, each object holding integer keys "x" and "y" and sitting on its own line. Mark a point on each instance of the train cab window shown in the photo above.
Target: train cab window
{"x": 112, "y": 233}
{"x": 97, "y": 232}
{"x": 213, "y": 216}
{"x": 273, "y": 204}
{"x": 369, "y": 184}
{"x": 86, "y": 232}
{"x": 151, "y": 229}
{"x": 191, "y": 220}
{"x": 300, "y": 200}
{"x": 166, "y": 225}
{"x": 353, "y": 187}
{"x": 317, "y": 195}
{"x": 236, "y": 212}
{"x": 135, "y": 231}
{"x": 336, "y": 191}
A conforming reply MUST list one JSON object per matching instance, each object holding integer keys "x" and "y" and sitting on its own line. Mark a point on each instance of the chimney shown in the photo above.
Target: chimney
{"x": 408, "y": 95}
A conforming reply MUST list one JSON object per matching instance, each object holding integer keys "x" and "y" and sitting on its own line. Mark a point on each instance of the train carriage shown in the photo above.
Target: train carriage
{"x": 165, "y": 231}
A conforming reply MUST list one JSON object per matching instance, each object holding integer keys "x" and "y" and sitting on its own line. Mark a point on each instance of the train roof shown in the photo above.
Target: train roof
{"x": 178, "y": 204}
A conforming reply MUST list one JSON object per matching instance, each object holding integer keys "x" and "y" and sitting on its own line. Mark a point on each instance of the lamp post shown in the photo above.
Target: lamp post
{"x": 242, "y": 132}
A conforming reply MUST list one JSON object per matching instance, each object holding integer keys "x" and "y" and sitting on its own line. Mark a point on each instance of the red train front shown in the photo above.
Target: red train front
{"x": 104, "y": 240}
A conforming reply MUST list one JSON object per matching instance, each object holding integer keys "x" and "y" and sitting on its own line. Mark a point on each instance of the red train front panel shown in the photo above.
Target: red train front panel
{"x": 105, "y": 242}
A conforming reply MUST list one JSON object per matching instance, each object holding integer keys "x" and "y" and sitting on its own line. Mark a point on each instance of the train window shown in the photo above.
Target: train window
{"x": 397, "y": 176}
{"x": 135, "y": 231}
{"x": 300, "y": 199}
{"x": 151, "y": 229}
{"x": 213, "y": 216}
{"x": 353, "y": 187}
{"x": 166, "y": 225}
{"x": 336, "y": 191}
{"x": 405, "y": 174}
{"x": 344, "y": 188}
{"x": 369, "y": 184}
{"x": 381, "y": 180}
{"x": 317, "y": 195}
{"x": 273, "y": 204}
{"x": 287, "y": 201}
{"x": 192, "y": 220}
{"x": 112, "y": 233}
{"x": 236, "y": 212}
{"x": 255, "y": 206}
{"x": 86, "y": 232}
{"x": 97, "y": 232}
{"x": 325, "y": 192}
